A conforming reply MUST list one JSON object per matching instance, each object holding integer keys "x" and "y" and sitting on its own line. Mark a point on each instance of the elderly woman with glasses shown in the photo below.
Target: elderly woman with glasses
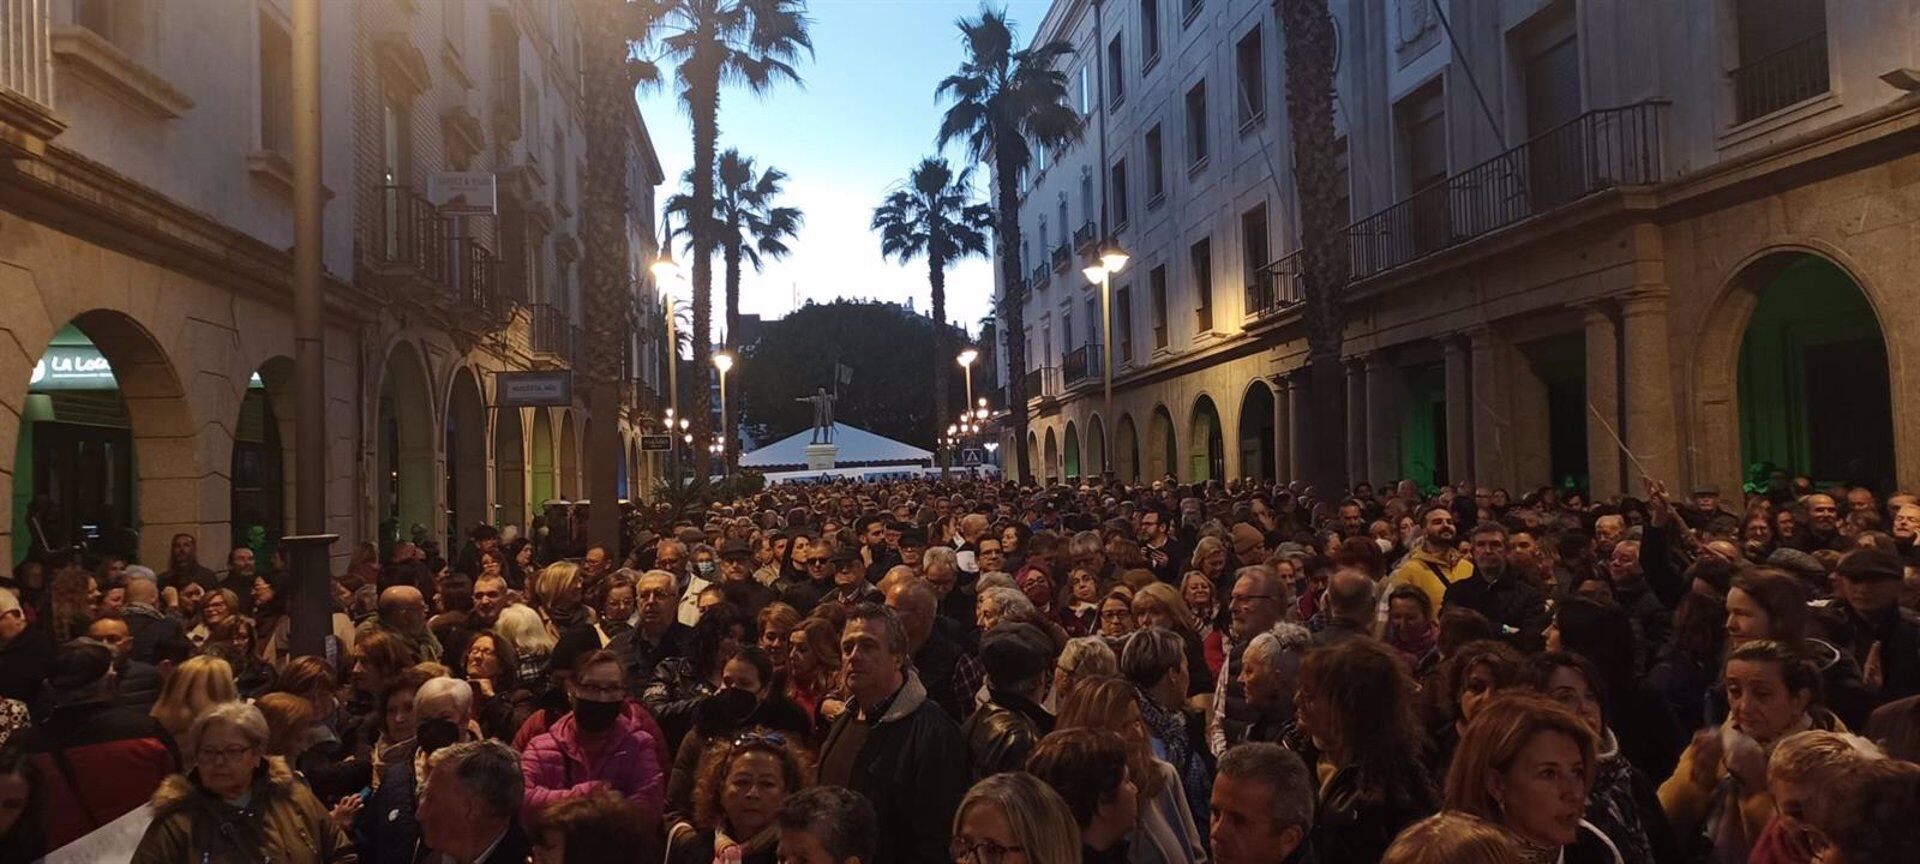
{"x": 742, "y": 783}
{"x": 237, "y": 803}
{"x": 595, "y": 746}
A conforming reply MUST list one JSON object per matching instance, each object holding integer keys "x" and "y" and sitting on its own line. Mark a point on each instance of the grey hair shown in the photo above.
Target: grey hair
{"x": 448, "y": 687}
{"x": 995, "y": 579}
{"x": 1277, "y": 767}
{"x": 1086, "y": 543}
{"x": 942, "y": 555}
{"x": 1285, "y": 637}
{"x": 239, "y": 716}
{"x": 488, "y": 769}
{"x": 1007, "y": 599}
{"x": 891, "y": 630}
{"x": 1039, "y": 817}
{"x": 841, "y": 819}
{"x": 1088, "y": 655}
{"x": 1151, "y": 654}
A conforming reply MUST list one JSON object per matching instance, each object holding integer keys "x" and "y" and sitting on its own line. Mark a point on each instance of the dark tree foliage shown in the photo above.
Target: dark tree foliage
{"x": 889, "y": 349}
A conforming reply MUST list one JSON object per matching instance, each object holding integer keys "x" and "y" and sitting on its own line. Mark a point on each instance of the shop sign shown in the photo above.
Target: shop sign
{"x": 547, "y": 389}
{"x": 656, "y": 443}
{"x": 72, "y": 367}
{"x": 462, "y": 193}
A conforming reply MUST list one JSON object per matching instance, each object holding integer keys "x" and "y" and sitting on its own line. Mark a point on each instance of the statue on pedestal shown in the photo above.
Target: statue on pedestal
{"x": 822, "y": 402}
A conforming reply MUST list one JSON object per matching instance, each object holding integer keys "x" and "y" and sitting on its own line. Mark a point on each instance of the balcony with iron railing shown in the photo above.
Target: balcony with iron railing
{"x": 1042, "y": 384}
{"x": 413, "y": 237}
{"x": 1082, "y": 364}
{"x": 1595, "y": 151}
{"x": 474, "y": 287}
{"x": 1041, "y": 274}
{"x": 552, "y": 332}
{"x": 1788, "y": 76}
{"x": 1062, "y": 257}
{"x": 1084, "y": 236}
{"x": 1274, "y": 289}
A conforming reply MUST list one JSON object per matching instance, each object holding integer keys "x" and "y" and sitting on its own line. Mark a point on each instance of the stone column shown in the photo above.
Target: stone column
{"x": 1383, "y": 421}
{"x": 1459, "y": 410}
{"x": 1356, "y": 419}
{"x": 1649, "y": 425}
{"x": 1492, "y": 430}
{"x": 27, "y": 120}
{"x": 1296, "y": 424}
{"x": 1603, "y": 400}
{"x": 1282, "y": 429}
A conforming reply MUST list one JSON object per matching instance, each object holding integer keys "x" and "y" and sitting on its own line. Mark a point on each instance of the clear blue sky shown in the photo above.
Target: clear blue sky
{"x": 863, "y": 117}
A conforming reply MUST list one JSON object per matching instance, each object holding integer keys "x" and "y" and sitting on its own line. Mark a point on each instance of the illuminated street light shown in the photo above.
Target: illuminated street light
{"x": 1112, "y": 260}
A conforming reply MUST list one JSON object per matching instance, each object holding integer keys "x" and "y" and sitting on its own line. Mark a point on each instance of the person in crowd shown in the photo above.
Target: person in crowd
{"x": 1116, "y": 614}
{"x": 1435, "y": 563}
{"x": 951, "y": 674}
{"x": 1452, "y": 837}
{"x": 1650, "y": 734}
{"x": 679, "y": 684}
{"x": 393, "y": 725}
{"x": 592, "y": 828}
{"x": 595, "y": 746}
{"x": 75, "y": 594}
{"x": 1014, "y": 814}
{"x": 827, "y": 825}
{"x": 328, "y": 764}
{"x": 533, "y": 644}
{"x": 26, "y": 650}
{"x": 558, "y": 594}
{"x": 238, "y": 803}
{"x": 1082, "y": 658}
{"x": 1719, "y": 791}
{"x": 1803, "y": 767}
{"x": 776, "y": 623}
{"x": 742, "y": 784}
{"x": 1689, "y": 664}
{"x": 747, "y": 699}
{"x": 1355, "y": 710}
{"x": 492, "y": 667}
{"x": 385, "y": 828}
{"x": 377, "y": 657}
{"x": 1867, "y": 817}
{"x": 1497, "y": 591}
{"x": 1158, "y": 604}
{"x": 1155, "y": 662}
{"x": 403, "y": 614}
{"x": 1622, "y": 802}
{"x": 657, "y": 634}
{"x": 1089, "y": 771}
{"x": 1474, "y": 675}
{"x": 1263, "y": 803}
{"x": 147, "y": 625}
{"x": 1269, "y": 677}
{"x": 1412, "y": 629}
{"x": 194, "y": 686}
{"x": 1885, "y": 636}
{"x": 892, "y": 744}
{"x": 1764, "y": 603}
{"x": 1209, "y": 556}
{"x": 1527, "y": 764}
{"x": 1000, "y": 733}
{"x": 470, "y": 805}
{"x": 136, "y": 684}
{"x": 813, "y": 666}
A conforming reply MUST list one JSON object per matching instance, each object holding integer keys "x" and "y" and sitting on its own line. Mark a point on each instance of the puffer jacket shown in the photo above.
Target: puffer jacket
{"x": 556, "y": 766}
{"x": 1726, "y": 814}
{"x": 282, "y": 823}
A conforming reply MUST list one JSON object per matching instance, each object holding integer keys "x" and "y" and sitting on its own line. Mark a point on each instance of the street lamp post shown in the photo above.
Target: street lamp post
{"x": 1112, "y": 260}
{"x": 665, "y": 271}
{"x": 723, "y": 361}
{"x": 966, "y": 359}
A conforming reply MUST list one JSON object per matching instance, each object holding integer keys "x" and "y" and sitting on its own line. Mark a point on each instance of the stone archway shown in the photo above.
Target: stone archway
{"x": 1206, "y": 446}
{"x": 1126, "y": 450}
{"x": 260, "y": 488}
{"x": 1793, "y": 372}
{"x": 1162, "y": 455}
{"x": 107, "y": 438}
{"x": 545, "y": 487}
{"x": 1051, "y": 473}
{"x": 1033, "y": 454}
{"x": 404, "y": 447}
{"x": 1257, "y": 438}
{"x": 509, "y": 468}
{"x": 1097, "y": 446}
{"x": 569, "y": 458}
{"x": 466, "y": 449}
{"x": 1073, "y": 468}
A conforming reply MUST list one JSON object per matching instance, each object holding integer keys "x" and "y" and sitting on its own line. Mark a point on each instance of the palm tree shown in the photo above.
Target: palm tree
{"x": 748, "y": 228}
{"x": 712, "y": 43}
{"x": 1005, "y": 103}
{"x": 934, "y": 215}
{"x": 1308, "y": 30}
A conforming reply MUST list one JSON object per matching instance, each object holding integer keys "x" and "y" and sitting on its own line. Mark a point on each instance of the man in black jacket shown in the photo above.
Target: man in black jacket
{"x": 893, "y": 744}
{"x": 1498, "y": 592}
{"x": 1886, "y": 637}
{"x": 469, "y": 808}
{"x": 1002, "y": 732}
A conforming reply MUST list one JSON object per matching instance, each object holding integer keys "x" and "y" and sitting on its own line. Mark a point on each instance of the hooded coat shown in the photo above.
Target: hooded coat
{"x": 556, "y": 765}
{"x": 283, "y": 823}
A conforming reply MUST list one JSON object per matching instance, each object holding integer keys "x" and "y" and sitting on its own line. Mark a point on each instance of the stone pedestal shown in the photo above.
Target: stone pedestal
{"x": 821, "y": 457}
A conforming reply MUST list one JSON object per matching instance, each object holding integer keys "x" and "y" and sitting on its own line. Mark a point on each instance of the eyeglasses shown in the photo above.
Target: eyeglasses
{"x": 816, "y": 562}
{"x": 610, "y": 693}
{"x": 983, "y": 851}
{"x": 225, "y": 754}
{"x": 751, "y": 739}
{"x": 1248, "y": 598}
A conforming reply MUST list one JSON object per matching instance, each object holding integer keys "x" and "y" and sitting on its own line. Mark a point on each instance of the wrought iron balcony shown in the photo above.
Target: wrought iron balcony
{"x": 1081, "y": 364}
{"x": 474, "y": 288}
{"x": 1597, "y": 150}
{"x": 552, "y": 332}
{"x": 1062, "y": 256}
{"x": 1275, "y": 288}
{"x": 1785, "y": 77}
{"x": 1043, "y": 383}
{"x": 1083, "y": 236}
{"x": 413, "y": 235}
{"x": 1041, "y": 273}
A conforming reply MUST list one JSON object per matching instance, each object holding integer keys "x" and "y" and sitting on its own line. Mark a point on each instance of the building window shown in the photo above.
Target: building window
{"x": 1149, "y": 34}
{"x": 1156, "y": 167}
{"x": 1252, "y": 80}
{"x": 1421, "y": 119}
{"x": 1116, "y": 72}
{"x": 1118, "y": 194}
{"x": 1123, "y": 320}
{"x": 1201, "y": 256}
{"x": 1197, "y": 126}
{"x": 1086, "y": 197}
{"x": 1157, "y": 290}
{"x": 1066, "y": 227}
{"x": 1189, "y": 9}
{"x": 1256, "y": 254}
{"x": 1783, "y": 55}
{"x": 1086, "y": 90}
{"x": 1045, "y": 247}
{"x": 1066, "y": 329}
{"x": 276, "y": 87}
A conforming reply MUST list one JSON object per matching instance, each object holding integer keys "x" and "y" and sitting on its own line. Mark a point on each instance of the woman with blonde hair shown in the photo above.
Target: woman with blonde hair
{"x": 1526, "y": 763}
{"x": 1081, "y": 659}
{"x": 1210, "y": 558}
{"x": 1159, "y": 605}
{"x": 195, "y": 685}
{"x": 1452, "y": 837}
{"x": 559, "y": 596}
{"x": 1014, "y": 812}
{"x": 813, "y": 667}
{"x": 532, "y": 643}
{"x": 1167, "y": 833}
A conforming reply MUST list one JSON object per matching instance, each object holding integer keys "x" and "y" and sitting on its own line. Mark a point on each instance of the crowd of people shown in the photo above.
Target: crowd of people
{"x": 925, "y": 671}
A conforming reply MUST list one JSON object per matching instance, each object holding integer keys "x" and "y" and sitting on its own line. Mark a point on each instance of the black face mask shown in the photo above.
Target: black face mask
{"x": 434, "y": 733}
{"x": 594, "y": 716}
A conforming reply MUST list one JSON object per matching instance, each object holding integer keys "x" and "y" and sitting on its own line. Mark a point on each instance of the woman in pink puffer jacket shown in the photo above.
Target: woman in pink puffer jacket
{"x": 596, "y": 747}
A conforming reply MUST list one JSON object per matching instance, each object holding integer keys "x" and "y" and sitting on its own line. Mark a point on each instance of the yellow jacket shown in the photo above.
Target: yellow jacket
{"x": 1419, "y": 570}
{"x": 1688, "y": 803}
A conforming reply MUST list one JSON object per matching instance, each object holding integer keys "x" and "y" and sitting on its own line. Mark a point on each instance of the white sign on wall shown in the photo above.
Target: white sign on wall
{"x": 534, "y": 389}
{"x": 462, "y": 193}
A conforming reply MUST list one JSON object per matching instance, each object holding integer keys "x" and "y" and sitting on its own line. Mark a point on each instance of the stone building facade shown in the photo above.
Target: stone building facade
{"x": 1589, "y": 239}
{"x": 145, "y": 228}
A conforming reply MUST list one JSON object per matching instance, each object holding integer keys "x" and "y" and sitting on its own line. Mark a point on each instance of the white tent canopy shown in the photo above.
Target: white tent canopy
{"x": 857, "y": 447}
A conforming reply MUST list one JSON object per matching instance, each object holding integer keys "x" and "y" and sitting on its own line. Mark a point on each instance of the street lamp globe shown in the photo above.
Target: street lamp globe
{"x": 1112, "y": 257}
{"x": 967, "y": 356}
{"x": 664, "y": 269}
{"x": 723, "y": 361}
{"x": 1094, "y": 273}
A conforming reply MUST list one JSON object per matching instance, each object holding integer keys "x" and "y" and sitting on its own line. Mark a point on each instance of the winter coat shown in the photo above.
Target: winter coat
{"x": 283, "y": 823}
{"x": 114, "y": 760}
{"x": 385, "y": 828}
{"x": 23, "y": 663}
{"x": 1166, "y": 833}
{"x": 1624, "y": 806}
{"x": 1002, "y": 732}
{"x": 1358, "y": 819}
{"x": 504, "y": 713}
{"x": 675, "y": 693}
{"x": 913, "y": 767}
{"x": 557, "y": 766}
{"x": 1725, "y": 814}
{"x": 146, "y": 626}
{"x": 537, "y": 723}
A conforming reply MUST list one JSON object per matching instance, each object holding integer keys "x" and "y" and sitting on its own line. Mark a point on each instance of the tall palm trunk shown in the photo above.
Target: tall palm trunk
{"x": 729, "y": 423}
{"x": 606, "y": 274}
{"x": 1006, "y": 232}
{"x": 706, "y": 136}
{"x": 942, "y": 347}
{"x": 1308, "y": 30}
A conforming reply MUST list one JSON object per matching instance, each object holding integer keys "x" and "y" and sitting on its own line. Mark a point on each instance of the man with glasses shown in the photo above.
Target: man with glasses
{"x": 1165, "y": 556}
{"x": 736, "y": 578}
{"x": 805, "y": 593}
{"x": 1256, "y": 604}
{"x": 657, "y": 633}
